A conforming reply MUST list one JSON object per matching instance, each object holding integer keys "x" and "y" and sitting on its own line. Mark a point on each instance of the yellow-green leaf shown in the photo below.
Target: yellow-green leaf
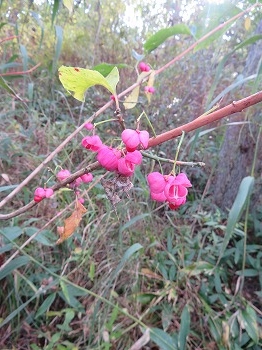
{"x": 131, "y": 99}
{"x": 69, "y": 4}
{"x": 77, "y": 80}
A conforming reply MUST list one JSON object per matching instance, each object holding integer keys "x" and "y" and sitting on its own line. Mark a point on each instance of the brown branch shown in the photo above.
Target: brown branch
{"x": 56, "y": 187}
{"x": 20, "y": 73}
{"x": 232, "y": 108}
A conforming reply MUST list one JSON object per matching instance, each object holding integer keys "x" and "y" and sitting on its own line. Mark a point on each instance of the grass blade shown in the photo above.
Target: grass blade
{"x": 238, "y": 206}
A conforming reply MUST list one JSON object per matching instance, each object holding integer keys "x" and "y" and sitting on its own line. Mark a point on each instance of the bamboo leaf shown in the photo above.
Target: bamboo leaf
{"x": 236, "y": 211}
{"x": 163, "y": 34}
{"x": 184, "y": 328}
{"x": 13, "y": 265}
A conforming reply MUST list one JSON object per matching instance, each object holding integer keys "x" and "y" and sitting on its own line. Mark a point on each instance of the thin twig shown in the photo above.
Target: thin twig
{"x": 20, "y": 73}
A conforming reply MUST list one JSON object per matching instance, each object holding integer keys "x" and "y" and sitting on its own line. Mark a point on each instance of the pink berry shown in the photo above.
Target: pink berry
{"x": 133, "y": 138}
{"x": 144, "y": 67}
{"x": 108, "y": 158}
{"x": 125, "y": 167}
{"x": 156, "y": 182}
{"x": 87, "y": 178}
{"x": 39, "y": 194}
{"x": 134, "y": 157}
{"x": 89, "y": 126}
{"x": 63, "y": 174}
{"x": 92, "y": 142}
{"x": 48, "y": 192}
{"x": 149, "y": 89}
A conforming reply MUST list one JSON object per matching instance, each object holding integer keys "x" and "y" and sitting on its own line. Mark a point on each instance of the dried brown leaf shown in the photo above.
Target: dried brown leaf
{"x": 71, "y": 223}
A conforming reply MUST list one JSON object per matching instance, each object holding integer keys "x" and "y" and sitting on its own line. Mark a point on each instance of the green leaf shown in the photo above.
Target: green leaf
{"x": 145, "y": 298}
{"x": 163, "y": 34}
{"x": 55, "y": 10}
{"x": 249, "y": 321}
{"x": 106, "y": 68}
{"x": 17, "y": 311}
{"x": 13, "y": 265}
{"x": 6, "y": 87}
{"x": 46, "y": 305}
{"x": 133, "y": 221}
{"x": 12, "y": 232}
{"x": 184, "y": 328}
{"x": 163, "y": 339}
{"x": 41, "y": 237}
{"x": 58, "y": 46}
{"x": 197, "y": 268}
{"x": 126, "y": 257}
{"x": 248, "y": 41}
{"x": 77, "y": 80}
{"x": 248, "y": 273}
{"x": 65, "y": 291}
{"x": 25, "y": 57}
{"x": 244, "y": 192}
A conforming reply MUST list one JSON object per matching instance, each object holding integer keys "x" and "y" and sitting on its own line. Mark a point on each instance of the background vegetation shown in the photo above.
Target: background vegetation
{"x": 150, "y": 278}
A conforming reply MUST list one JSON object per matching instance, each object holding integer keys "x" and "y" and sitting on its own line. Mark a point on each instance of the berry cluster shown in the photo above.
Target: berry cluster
{"x": 169, "y": 188}
{"x": 163, "y": 188}
{"x": 41, "y": 193}
{"x": 112, "y": 159}
{"x": 144, "y": 67}
{"x": 64, "y": 174}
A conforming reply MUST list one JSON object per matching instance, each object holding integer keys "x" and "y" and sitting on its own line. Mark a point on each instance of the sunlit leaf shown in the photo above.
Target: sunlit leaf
{"x": 247, "y": 23}
{"x": 71, "y": 223}
{"x": 131, "y": 100}
{"x": 77, "y": 80}
{"x": 69, "y": 4}
{"x": 163, "y": 34}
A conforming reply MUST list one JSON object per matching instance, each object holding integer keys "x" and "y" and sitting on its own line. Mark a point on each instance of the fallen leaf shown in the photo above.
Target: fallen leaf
{"x": 71, "y": 223}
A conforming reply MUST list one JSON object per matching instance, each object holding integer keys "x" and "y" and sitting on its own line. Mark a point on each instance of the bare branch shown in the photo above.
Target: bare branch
{"x": 232, "y": 108}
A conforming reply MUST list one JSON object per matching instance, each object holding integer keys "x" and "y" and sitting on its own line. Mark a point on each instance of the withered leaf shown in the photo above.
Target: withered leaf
{"x": 116, "y": 187}
{"x": 71, "y": 223}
